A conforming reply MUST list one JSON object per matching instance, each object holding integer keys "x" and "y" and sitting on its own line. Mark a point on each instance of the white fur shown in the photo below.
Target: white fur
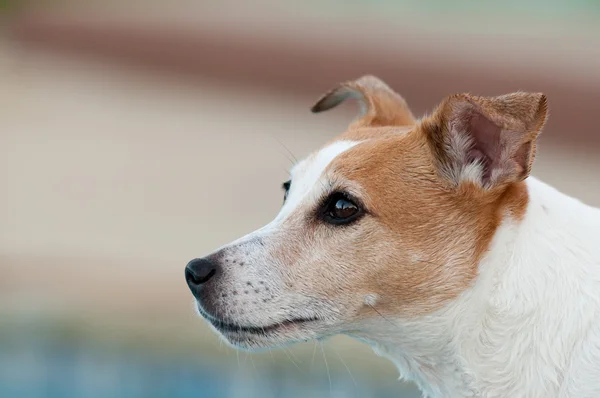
{"x": 306, "y": 175}
{"x": 371, "y": 299}
{"x": 530, "y": 325}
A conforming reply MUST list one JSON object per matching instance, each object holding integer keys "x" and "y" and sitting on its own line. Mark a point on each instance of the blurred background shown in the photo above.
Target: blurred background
{"x": 138, "y": 134}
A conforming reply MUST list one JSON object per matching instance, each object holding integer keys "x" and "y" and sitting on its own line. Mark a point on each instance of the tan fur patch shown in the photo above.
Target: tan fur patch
{"x": 424, "y": 240}
{"x": 369, "y": 133}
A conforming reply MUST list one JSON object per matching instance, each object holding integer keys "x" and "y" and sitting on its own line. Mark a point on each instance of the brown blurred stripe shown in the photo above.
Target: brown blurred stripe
{"x": 279, "y": 64}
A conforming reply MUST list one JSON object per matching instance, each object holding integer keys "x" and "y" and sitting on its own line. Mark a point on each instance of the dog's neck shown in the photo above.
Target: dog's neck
{"x": 440, "y": 352}
{"x": 502, "y": 336}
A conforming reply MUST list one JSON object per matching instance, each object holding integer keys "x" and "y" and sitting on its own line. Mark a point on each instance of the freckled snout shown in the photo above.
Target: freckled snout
{"x": 199, "y": 272}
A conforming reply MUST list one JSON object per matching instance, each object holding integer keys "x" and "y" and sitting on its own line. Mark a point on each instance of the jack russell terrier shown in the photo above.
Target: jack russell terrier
{"x": 428, "y": 240}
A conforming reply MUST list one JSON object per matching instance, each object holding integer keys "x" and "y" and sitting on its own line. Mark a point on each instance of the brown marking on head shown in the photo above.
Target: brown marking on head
{"x": 368, "y": 133}
{"x": 435, "y": 192}
{"x": 422, "y": 240}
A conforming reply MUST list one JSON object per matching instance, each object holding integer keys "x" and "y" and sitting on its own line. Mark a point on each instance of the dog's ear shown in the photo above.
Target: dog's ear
{"x": 380, "y": 105}
{"x": 486, "y": 140}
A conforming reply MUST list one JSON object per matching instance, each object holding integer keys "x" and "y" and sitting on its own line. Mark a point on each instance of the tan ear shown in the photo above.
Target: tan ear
{"x": 487, "y": 140}
{"x": 380, "y": 105}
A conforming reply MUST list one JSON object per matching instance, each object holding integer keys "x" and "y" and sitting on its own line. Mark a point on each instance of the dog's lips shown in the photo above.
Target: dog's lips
{"x": 231, "y": 328}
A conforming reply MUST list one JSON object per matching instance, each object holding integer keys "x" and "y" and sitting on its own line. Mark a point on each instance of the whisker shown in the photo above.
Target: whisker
{"x": 291, "y": 360}
{"x": 207, "y": 334}
{"x": 312, "y": 361}
{"x": 348, "y": 369}
{"x": 294, "y": 356}
{"x": 271, "y": 354}
{"x": 327, "y": 367}
{"x": 253, "y": 364}
{"x": 287, "y": 149}
{"x": 288, "y": 158}
{"x": 257, "y": 374}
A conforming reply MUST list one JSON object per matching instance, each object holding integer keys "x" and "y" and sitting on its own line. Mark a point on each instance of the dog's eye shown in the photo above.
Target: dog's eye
{"x": 340, "y": 209}
{"x": 286, "y": 189}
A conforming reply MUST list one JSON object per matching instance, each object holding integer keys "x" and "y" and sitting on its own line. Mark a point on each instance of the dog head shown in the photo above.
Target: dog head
{"x": 389, "y": 219}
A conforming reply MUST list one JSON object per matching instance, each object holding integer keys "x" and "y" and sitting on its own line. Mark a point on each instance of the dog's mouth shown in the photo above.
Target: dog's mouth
{"x": 288, "y": 324}
{"x": 230, "y": 328}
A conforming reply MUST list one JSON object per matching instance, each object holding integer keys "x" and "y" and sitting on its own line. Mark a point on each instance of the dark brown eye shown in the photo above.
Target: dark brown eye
{"x": 343, "y": 209}
{"x": 340, "y": 209}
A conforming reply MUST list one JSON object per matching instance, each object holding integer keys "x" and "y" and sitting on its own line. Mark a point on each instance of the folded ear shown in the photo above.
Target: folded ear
{"x": 380, "y": 105}
{"x": 486, "y": 140}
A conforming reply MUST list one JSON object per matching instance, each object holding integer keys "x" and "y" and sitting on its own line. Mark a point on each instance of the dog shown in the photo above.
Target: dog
{"x": 428, "y": 240}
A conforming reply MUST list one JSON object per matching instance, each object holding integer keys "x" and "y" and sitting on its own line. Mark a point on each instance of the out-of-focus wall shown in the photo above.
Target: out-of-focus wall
{"x": 425, "y": 52}
{"x": 131, "y": 142}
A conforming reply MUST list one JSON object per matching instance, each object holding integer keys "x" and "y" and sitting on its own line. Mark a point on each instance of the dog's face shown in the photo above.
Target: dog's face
{"x": 390, "y": 219}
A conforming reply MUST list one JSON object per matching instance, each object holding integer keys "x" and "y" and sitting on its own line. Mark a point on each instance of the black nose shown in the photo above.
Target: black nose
{"x": 198, "y": 272}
